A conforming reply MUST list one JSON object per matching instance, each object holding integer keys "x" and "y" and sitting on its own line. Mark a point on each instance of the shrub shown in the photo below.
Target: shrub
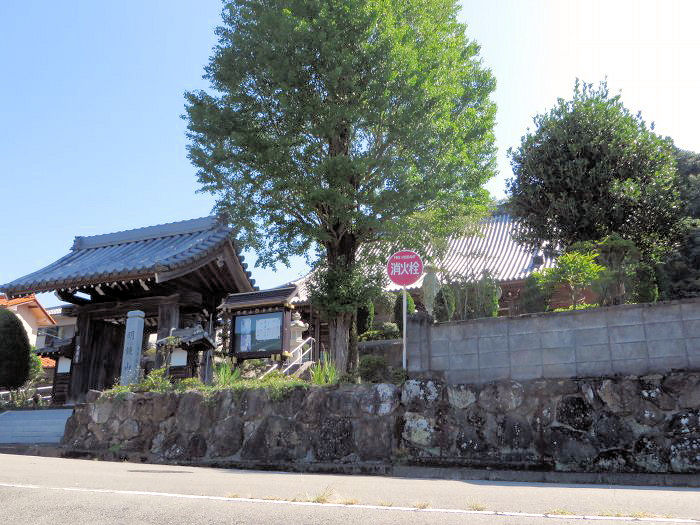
{"x": 15, "y": 351}
{"x": 365, "y": 317}
{"x": 385, "y": 331}
{"x": 398, "y": 376}
{"x": 398, "y": 309}
{"x": 534, "y": 296}
{"x": 36, "y": 370}
{"x": 189, "y": 383}
{"x": 475, "y": 297}
{"x": 373, "y": 369}
{"x": 324, "y": 372}
{"x": 645, "y": 289}
{"x": 444, "y": 305}
{"x": 576, "y": 272}
{"x": 155, "y": 381}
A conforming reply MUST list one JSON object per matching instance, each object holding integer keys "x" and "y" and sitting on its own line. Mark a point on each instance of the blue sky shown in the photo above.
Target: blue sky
{"x": 91, "y": 139}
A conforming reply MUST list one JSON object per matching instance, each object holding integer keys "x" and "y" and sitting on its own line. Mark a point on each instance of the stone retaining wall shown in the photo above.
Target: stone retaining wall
{"x": 630, "y": 339}
{"x": 618, "y": 424}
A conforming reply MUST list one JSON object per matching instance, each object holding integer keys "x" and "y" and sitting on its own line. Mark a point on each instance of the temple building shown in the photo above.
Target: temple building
{"x": 177, "y": 274}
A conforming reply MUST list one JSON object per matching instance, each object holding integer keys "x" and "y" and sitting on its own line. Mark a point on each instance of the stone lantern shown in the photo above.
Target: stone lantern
{"x": 297, "y": 328}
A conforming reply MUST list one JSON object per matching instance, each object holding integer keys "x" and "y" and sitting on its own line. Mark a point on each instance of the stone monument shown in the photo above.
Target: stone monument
{"x": 133, "y": 342}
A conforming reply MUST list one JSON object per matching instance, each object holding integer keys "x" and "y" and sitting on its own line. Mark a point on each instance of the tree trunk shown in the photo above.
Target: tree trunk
{"x": 353, "y": 354}
{"x": 338, "y": 331}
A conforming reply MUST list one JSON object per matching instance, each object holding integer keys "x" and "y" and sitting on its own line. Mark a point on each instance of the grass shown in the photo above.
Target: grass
{"x": 348, "y": 501}
{"x": 322, "y": 497}
{"x": 385, "y": 504}
{"x": 476, "y": 506}
{"x": 420, "y": 505}
{"x": 278, "y": 386}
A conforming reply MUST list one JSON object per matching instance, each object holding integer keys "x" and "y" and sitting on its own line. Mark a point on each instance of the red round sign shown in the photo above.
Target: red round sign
{"x": 404, "y": 268}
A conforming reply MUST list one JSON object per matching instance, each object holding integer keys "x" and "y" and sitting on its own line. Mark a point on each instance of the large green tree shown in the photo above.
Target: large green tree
{"x": 333, "y": 125}
{"x": 591, "y": 168}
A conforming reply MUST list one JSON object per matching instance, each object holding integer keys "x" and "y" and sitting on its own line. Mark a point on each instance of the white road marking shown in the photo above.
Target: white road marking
{"x": 347, "y": 506}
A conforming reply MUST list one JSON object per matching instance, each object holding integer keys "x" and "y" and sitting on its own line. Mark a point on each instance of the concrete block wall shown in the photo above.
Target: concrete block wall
{"x": 627, "y": 339}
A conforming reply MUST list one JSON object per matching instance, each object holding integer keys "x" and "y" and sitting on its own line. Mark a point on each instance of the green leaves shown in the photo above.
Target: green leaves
{"x": 575, "y": 271}
{"x": 591, "y": 168}
{"x": 335, "y": 124}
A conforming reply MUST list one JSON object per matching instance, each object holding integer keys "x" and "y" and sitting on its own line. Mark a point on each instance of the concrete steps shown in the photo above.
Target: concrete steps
{"x": 33, "y": 426}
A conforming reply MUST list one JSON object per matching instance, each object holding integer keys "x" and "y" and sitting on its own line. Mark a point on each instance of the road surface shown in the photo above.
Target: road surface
{"x": 38, "y": 490}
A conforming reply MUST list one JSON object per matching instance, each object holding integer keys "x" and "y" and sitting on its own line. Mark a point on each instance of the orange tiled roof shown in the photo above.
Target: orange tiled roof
{"x": 38, "y": 310}
{"x": 47, "y": 362}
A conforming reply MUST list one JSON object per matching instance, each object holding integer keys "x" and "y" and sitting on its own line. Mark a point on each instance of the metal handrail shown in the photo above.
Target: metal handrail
{"x": 302, "y": 355}
{"x": 273, "y": 367}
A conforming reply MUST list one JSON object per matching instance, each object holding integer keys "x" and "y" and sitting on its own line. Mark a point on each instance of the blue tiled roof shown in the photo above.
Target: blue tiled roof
{"x": 130, "y": 254}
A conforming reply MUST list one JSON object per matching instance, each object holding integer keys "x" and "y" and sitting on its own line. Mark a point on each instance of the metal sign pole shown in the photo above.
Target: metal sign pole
{"x": 405, "y": 328}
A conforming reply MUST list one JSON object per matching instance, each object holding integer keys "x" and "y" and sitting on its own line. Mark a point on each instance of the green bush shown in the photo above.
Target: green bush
{"x": 365, "y": 317}
{"x": 444, "y": 304}
{"x": 189, "y": 383}
{"x": 534, "y": 297}
{"x": 475, "y": 297}
{"x": 385, "y": 331}
{"x": 373, "y": 369}
{"x": 645, "y": 288}
{"x": 398, "y": 376}
{"x": 15, "y": 352}
{"x": 575, "y": 272}
{"x": 398, "y": 309}
{"x": 155, "y": 381}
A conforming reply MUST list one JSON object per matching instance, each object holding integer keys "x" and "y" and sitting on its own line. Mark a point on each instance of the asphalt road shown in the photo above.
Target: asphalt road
{"x": 37, "y": 490}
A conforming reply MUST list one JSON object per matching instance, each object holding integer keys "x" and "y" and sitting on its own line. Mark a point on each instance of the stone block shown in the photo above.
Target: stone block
{"x": 694, "y": 361}
{"x": 439, "y": 363}
{"x": 523, "y": 341}
{"x": 594, "y": 368}
{"x": 492, "y": 327}
{"x": 672, "y": 347}
{"x": 620, "y": 316}
{"x": 589, "y": 319}
{"x": 691, "y": 328}
{"x": 464, "y": 362}
{"x": 457, "y": 332}
{"x": 553, "y": 356}
{"x": 590, "y": 353}
{"x": 667, "y": 363}
{"x": 439, "y": 348}
{"x": 458, "y": 377}
{"x": 557, "y": 339}
{"x": 692, "y": 346}
{"x": 524, "y": 325}
{"x": 658, "y": 313}
{"x": 464, "y": 346}
{"x": 636, "y": 350}
{"x": 498, "y": 343}
{"x": 627, "y": 333}
{"x": 591, "y": 336}
{"x": 559, "y": 370}
{"x": 690, "y": 310}
{"x": 440, "y": 332}
{"x": 630, "y": 366}
{"x": 494, "y": 359}
{"x": 664, "y": 330}
{"x": 494, "y": 373}
{"x": 524, "y": 373}
{"x": 525, "y": 358}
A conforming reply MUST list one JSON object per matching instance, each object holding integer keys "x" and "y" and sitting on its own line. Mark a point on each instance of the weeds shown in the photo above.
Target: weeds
{"x": 477, "y": 506}
{"x": 324, "y": 372}
{"x": 560, "y": 512}
{"x": 322, "y": 497}
{"x": 421, "y": 505}
{"x": 385, "y": 504}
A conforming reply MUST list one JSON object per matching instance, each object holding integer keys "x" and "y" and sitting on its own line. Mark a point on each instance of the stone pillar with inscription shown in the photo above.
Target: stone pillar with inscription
{"x": 133, "y": 341}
